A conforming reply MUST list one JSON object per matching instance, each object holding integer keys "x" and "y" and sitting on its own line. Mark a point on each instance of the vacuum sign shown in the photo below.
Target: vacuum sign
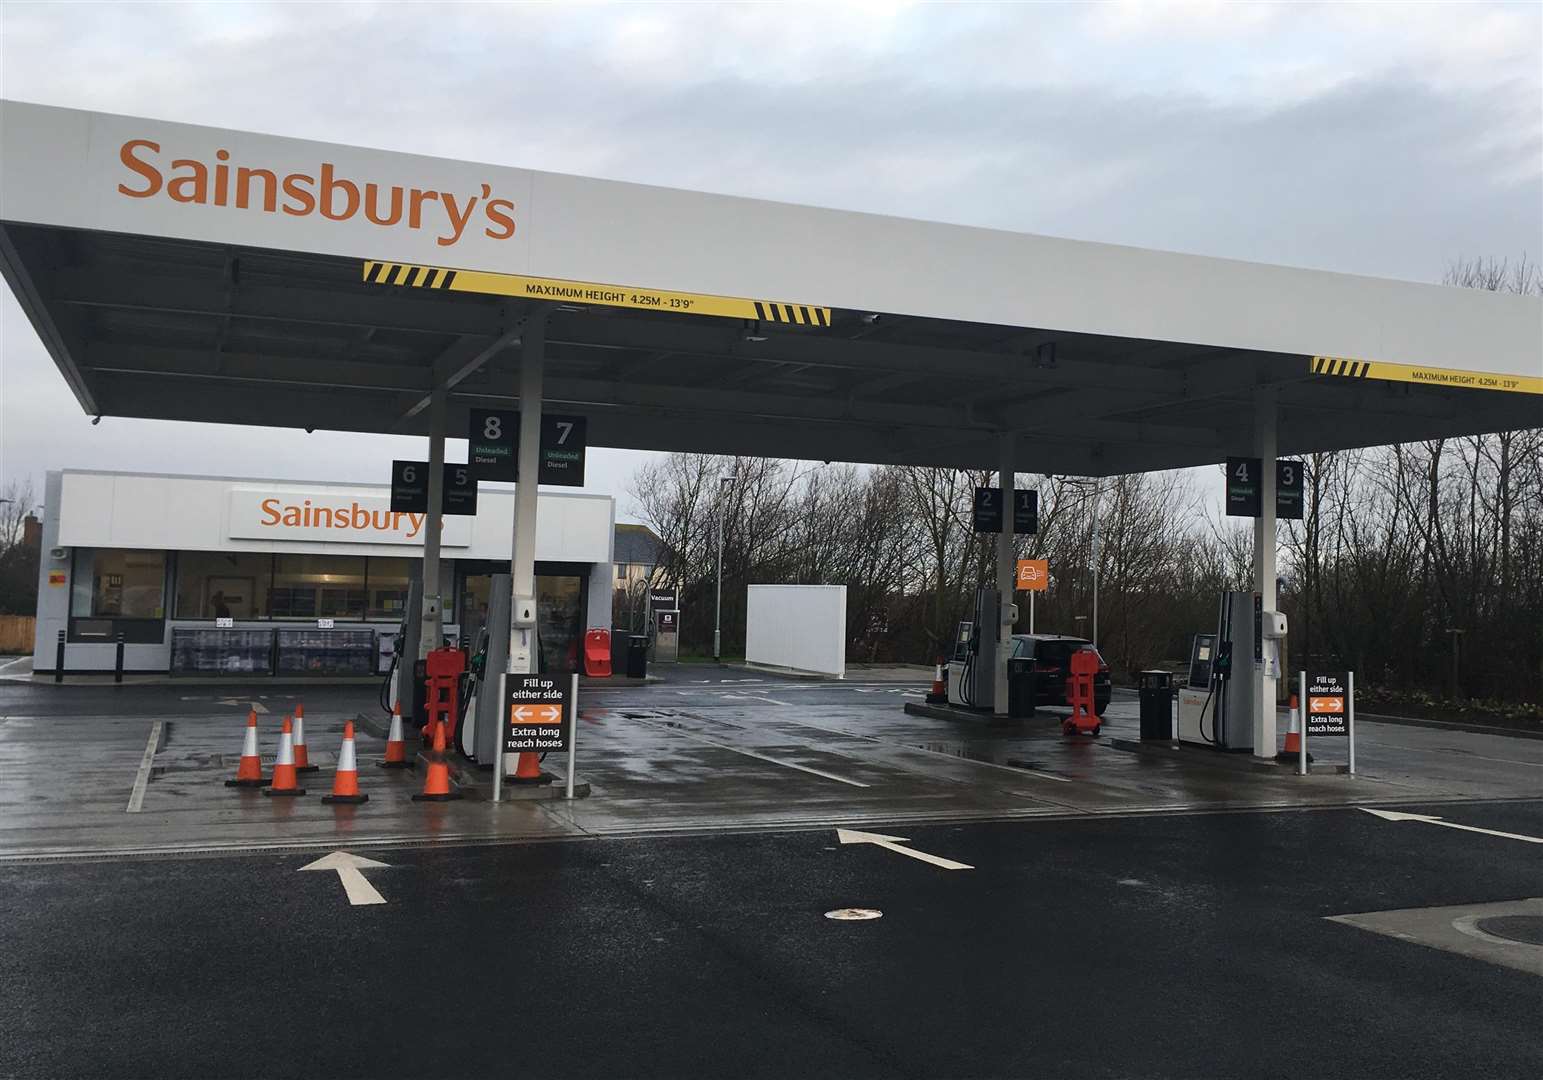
{"x": 333, "y": 517}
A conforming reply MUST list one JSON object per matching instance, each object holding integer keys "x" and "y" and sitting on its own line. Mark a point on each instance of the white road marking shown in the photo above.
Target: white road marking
{"x": 142, "y": 778}
{"x": 259, "y": 708}
{"x": 1461, "y": 755}
{"x": 1393, "y": 815}
{"x": 752, "y": 753}
{"x": 348, "y": 866}
{"x": 892, "y": 843}
{"x": 923, "y": 750}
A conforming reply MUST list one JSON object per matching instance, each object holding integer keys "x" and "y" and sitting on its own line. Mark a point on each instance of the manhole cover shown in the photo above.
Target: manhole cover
{"x": 1524, "y": 928}
{"x": 854, "y": 914}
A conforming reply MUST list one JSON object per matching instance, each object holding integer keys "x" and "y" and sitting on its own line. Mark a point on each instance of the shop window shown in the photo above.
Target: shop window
{"x": 388, "y": 580}
{"x": 317, "y": 587}
{"x": 118, "y": 584}
{"x": 223, "y": 584}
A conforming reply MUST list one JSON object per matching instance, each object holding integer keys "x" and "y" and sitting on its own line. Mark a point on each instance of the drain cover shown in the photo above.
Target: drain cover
{"x": 854, "y": 914}
{"x": 1527, "y": 929}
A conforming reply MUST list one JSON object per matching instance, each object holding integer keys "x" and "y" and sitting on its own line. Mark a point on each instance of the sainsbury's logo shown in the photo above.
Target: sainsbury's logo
{"x": 447, "y": 214}
{"x": 332, "y": 518}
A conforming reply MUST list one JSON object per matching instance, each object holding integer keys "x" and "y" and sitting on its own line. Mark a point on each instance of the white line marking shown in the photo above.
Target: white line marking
{"x": 12, "y": 663}
{"x": 259, "y": 708}
{"x": 923, "y": 750}
{"x": 752, "y": 754}
{"x": 1460, "y": 755}
{"x": 1394, "y": 815}
{"x": 142, "y": 778}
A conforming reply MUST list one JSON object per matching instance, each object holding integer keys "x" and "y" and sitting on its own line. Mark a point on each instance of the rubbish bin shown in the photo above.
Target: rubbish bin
{"x": 1155, "y": 690}
{"x": 637, "y": 656}
{"x": 1022, "y": 686}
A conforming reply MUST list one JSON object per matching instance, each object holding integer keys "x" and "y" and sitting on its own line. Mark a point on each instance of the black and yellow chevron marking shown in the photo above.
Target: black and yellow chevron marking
{"x": 1341, "y": 365}
{"x": 802, "y": 314}
{"x": 426, "y": 277}
{"x": 582, "y": 292}
{"x": 1348, "y": 368}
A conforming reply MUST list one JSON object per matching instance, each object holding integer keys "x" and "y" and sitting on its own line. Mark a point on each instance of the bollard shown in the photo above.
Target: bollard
{"x": 59, "y": 660}
{"x": 118, "y": 662}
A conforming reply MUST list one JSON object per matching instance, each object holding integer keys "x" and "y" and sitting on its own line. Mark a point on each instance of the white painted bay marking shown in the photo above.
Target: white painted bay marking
{"x": 892, "y": 843}
{"x": 1393, "y": 815}
{"x": 259, "y": 708}
{"x": 142, "y": 778}
{"x": 924, "y": 750}
{"x": 1460, "y": 755}
{"x": 348, "y": 867}
{"x": 752, "y": 754}
{"x": 854, "y": 914}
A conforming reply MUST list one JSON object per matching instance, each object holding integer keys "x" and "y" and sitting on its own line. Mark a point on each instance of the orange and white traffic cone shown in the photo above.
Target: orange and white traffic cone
{"x": 527, "y": 770}
{"x": 396, "y": 746}
{"x": 302, "y": 756}
{"x": 284, "y": 765}
{"x": 249, "y": 773}
{"x": 345, "y": 784}
{"x": 436, "y": 785}
{"x": 1293, "y": 750}
{"x": 939, "y": 692}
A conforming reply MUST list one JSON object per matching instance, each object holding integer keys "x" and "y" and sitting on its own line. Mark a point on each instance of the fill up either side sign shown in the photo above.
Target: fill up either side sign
{"x": 536, "y": 711}
{"x": 1328, "y": 703}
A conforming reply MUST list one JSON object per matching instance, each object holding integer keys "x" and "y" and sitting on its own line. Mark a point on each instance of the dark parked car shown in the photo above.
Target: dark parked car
{"x": 1051, "y": 654}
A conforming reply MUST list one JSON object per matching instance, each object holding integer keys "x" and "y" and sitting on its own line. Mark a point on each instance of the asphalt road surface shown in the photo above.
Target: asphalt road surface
{"x": 1194, "y": 945}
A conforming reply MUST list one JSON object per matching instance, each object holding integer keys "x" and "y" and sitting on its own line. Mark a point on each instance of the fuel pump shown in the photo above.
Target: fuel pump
{"x": 471, "y": 687}
{"x": 972, "y": 669}
{"x": 1216, "y": 705}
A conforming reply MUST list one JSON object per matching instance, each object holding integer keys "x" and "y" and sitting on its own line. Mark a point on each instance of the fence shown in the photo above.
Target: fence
{"x": 16, "y": 634}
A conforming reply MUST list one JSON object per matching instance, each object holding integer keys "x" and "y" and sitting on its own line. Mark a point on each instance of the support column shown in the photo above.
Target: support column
{"x": 1265, "y": 418}
{"x": 523, "y": 659}
{"x": 432, "y": 628}
{"x": 1006, "y": 575}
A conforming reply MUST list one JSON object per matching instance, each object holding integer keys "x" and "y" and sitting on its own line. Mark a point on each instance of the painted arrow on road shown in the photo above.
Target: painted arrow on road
{"x": 1394, "y": 815}
{"x": 348, "y": 867}
{"x": 892, "y": 843}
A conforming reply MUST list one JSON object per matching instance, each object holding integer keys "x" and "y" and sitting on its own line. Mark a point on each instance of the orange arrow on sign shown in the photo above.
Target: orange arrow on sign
{"x": 1325, "y": 704}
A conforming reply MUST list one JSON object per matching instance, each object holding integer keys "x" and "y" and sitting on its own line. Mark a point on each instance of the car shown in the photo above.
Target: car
{"x": 1051, "y": 654}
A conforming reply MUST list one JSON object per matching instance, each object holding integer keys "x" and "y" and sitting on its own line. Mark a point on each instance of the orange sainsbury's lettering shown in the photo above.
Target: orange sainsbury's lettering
{"x": 323, "y": 190}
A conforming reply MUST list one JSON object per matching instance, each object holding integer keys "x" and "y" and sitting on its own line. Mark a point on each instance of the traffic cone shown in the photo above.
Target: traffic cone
{"x": 436, "y": 785}
{"x": 527, "y": 770}
{"x": 345, "y": 784}
{"x": 250, "y": 772}
{"x": 1293, "y": 750}
{"x": 302, "y": 758}
{"x": 939, "y": 693}
{"x": 396, "y": 746}
{"x": 284, "y": 765}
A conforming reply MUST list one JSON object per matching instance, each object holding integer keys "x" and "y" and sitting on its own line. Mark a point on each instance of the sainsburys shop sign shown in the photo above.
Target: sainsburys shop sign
{"x": 338, "y": 517}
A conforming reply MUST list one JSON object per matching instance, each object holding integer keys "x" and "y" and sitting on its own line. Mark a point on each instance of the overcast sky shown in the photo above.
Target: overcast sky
{"x": 1381, "y": 138}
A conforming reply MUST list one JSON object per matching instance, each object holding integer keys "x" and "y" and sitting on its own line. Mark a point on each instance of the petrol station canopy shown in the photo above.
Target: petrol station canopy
{"x": 190, "y": 273}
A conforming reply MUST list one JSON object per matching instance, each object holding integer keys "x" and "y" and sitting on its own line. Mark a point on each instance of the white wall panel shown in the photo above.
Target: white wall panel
{"x": 797, "y": 626}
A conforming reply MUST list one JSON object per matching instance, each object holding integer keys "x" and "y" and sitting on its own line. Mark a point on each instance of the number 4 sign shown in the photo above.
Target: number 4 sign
{"x": 1245, "y": 497}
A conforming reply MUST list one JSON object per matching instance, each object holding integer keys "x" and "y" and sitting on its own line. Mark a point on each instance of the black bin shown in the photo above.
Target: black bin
{"x": 1155, "y": 689}
{"x": 637, "y": 656}
{"x": 1022, "y": 686}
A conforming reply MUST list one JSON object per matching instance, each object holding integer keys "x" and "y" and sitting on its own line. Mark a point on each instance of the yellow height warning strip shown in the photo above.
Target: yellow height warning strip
{"x": 582, "y": 292}
{"x": 1349, "y": 368}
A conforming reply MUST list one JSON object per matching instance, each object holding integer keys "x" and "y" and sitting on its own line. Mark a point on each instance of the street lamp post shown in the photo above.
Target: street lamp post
{"x": 724, "y": 482}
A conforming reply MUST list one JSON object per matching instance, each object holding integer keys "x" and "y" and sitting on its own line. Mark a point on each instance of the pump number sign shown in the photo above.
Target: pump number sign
{"x": 537, "y": 709}
{"x": 1243, "y": 487}
{"x": 1328, "y": 703}
{"x": 988, "y": 510}
{"x": 493, "y": 440}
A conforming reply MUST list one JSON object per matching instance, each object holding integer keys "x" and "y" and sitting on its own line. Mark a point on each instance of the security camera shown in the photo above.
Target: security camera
{"x": 95, "y": 420}
{"x": 310, "y": 431}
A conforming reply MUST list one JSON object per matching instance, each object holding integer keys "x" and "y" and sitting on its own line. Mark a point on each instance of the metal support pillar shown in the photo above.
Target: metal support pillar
{"x": 1265, "y": 419}
{"x": 1006, "y": 576}
{"x": 523, "y": 656}
{"x": 432, "y": 631}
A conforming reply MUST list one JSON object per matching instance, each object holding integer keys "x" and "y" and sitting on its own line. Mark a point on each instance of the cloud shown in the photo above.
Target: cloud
{"x": 1367, "y": 138}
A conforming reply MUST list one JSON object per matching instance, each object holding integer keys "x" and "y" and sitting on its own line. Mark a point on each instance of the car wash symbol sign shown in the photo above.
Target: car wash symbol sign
{"x": 536, "y": 711}
{"x": 1328, "y": 703}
